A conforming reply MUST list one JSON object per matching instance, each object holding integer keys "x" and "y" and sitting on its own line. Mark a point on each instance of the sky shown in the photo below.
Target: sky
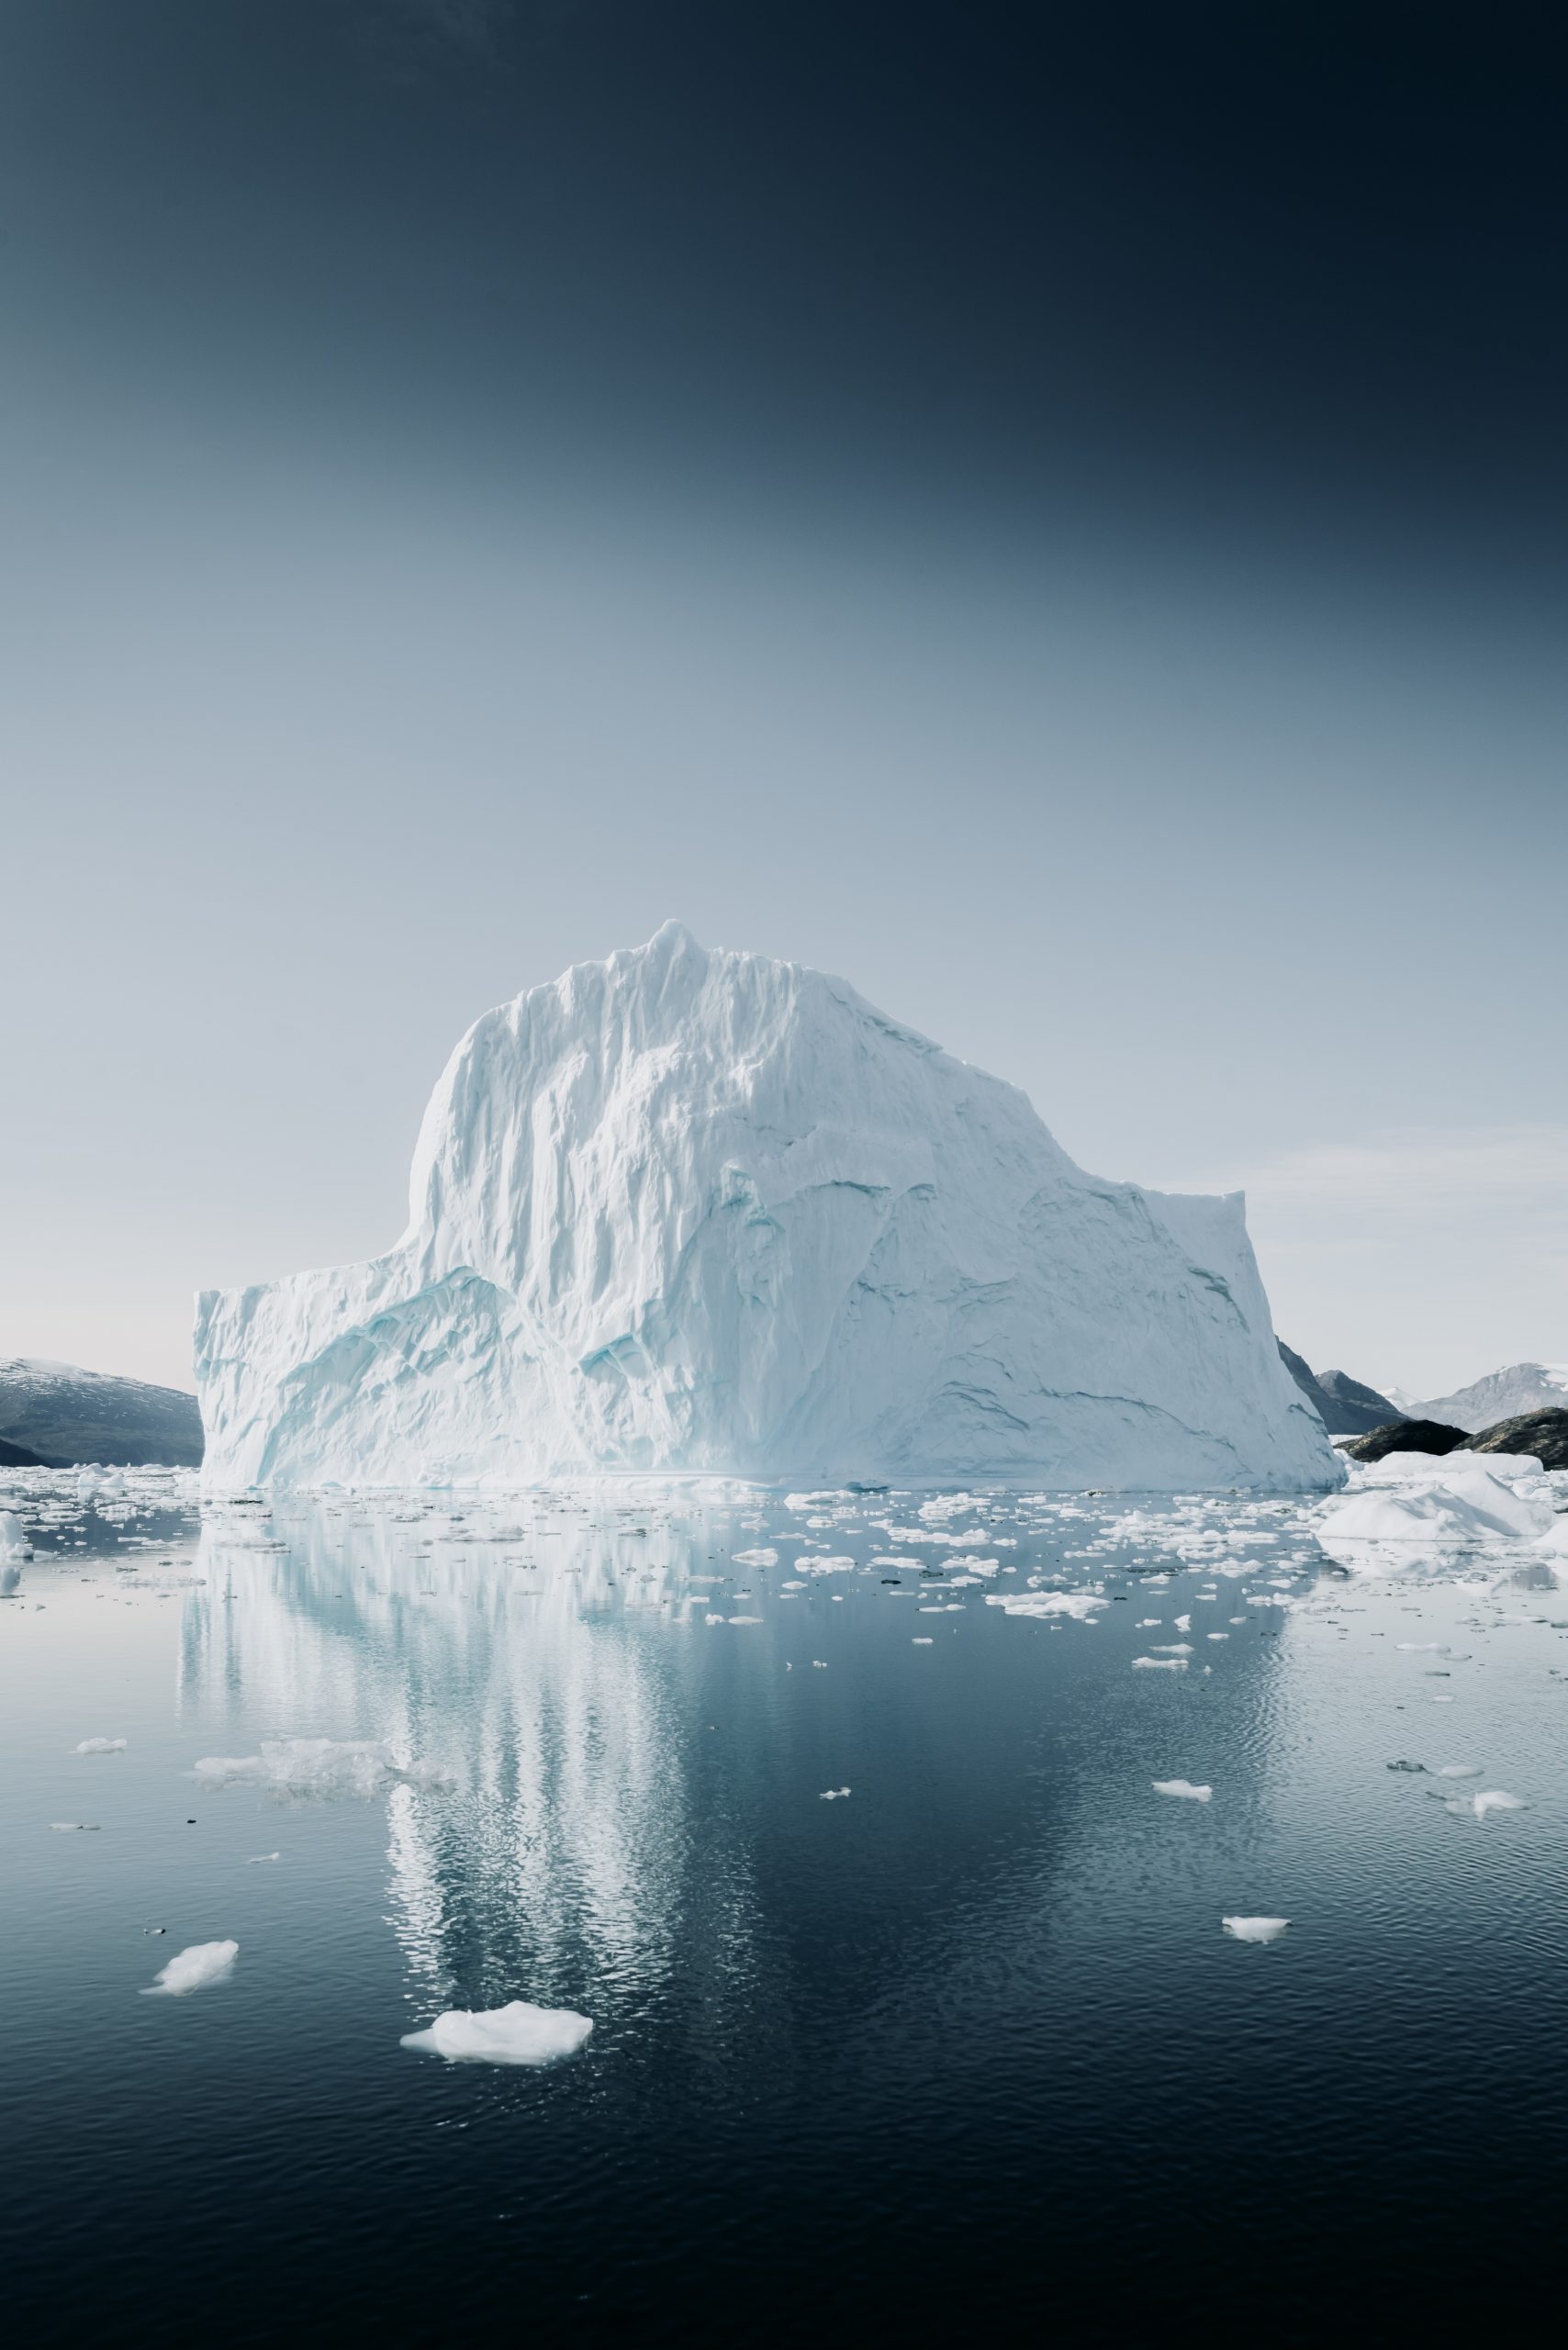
{"x": 1056, "y": 512}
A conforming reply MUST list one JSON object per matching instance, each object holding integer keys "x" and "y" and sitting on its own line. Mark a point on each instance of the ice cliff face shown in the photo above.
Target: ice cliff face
{"x": 695, "y": 1210}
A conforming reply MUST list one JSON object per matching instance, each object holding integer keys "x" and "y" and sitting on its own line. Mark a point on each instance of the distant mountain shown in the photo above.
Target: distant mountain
{"x": 1507, "y": 1395}
{"x": 1345, "y": 1406}
{"x": 59, "y": 1415}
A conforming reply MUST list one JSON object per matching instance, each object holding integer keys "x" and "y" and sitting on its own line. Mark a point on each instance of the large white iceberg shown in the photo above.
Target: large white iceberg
{"x": 693, "y": 1210}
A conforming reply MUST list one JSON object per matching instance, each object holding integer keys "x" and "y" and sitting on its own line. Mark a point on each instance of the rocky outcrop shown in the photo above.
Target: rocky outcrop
{"x": 1542, "y": 1434}
{"x": 1406, "y": 1436}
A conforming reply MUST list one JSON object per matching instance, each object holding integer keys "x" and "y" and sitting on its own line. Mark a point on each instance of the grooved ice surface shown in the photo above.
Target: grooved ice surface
{"x": 699, "y": 1210}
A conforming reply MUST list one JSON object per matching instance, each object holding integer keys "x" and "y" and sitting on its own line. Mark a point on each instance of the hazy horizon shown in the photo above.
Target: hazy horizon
{"x": 1057, "y": 517}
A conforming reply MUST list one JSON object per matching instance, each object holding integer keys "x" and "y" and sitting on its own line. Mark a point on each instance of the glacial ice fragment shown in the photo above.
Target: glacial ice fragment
{"x": 1255, "y": 1929}
{"x": 192, "y": 1970}
{"x": 519, "y": 2034}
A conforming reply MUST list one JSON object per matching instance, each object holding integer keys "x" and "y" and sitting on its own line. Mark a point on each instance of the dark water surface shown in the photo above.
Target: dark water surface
{"x": 966, "y": 2052}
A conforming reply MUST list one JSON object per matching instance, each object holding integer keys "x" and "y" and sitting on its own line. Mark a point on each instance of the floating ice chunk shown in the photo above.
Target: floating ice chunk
{"x": 192, "y": 1970}
{"x": 519, "y": 2034}
{"x": 100, "y": 1746}
{"x": 1159, "y": 1665}
{"x": 257, "y": 1858}
{"x": 1255, "y": 1929}
{"x": 742, "y": 1559}
{"x": 832, "y": 1794}
{"x": 1170, "y": 1648}
{"x": 1183, "y": 1623}
{"x": 1182, "y": 1787}
{"x": 743, "y": 1620}
{"x": 14, "y": 1543}
{"x": 74, "y": 1827}
{"x": 1080, "y": 1605}
{"x": 920, "y": 1640}
{"x": 1477, "y": 1806}
{"x": 1461, "y": 1771}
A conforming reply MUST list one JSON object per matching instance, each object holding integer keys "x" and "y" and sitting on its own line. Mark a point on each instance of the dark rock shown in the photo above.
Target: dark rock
{"x": 1544, "y": 1434}
{"x": 1341, "y": 1403}
{"x": 1406, "y": 1436}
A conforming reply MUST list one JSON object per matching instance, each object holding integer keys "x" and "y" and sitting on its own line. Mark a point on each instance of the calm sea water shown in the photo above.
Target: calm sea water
{"x": 964, "y": 2052}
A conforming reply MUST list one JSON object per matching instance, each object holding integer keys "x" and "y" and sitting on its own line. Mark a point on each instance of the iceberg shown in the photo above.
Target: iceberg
{"x": 699, "y": 1212}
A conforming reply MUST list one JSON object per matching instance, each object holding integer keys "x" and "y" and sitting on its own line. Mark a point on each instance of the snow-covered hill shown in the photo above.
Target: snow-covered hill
{"x": 61, "y": 1414}
{"x": 694, "y": 1211}
{"x": 1504, "y": 1394}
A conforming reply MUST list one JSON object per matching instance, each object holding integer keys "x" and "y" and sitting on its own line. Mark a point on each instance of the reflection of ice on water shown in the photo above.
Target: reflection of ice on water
{"x": 511, "y": 1648}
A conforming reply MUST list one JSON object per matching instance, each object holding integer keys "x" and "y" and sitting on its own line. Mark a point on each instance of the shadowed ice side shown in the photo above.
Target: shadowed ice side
{"x": 706, "y": 1212}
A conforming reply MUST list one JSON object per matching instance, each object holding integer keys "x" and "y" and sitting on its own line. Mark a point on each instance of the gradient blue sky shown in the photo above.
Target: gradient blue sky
{"x": 1055, "y": 513}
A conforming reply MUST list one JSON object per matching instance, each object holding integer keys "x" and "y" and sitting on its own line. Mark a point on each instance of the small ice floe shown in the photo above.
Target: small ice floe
{"x": 519, "y": 2034}
{"x": 1079, "y": 1604}
{"x": 1170, "y": 1648}
{"x": 1477, "y": 1806}
{"x": 192, "y": 1970}
{"x": 742, "y": 1559}
{"x": 74, "y": 1827}
{"x": 1183, "y": 1623}
{"x": 15, "y": 1548}
{"x": 257, "y": 1859}
{"x": 920, "y": 1640}
{"x": 1460, "y": 1770}
{"x": 819, "y": 1664}
{"x": 1255, "y": 1929}
{"x": 832, "y": 1794}
{"x": 100, "y": 1746}
{"x": 743, "y": 1620}
{"x": 318, "y": 1766}
{"x": 1159, "y": 1665}
{"x": 1182, "y": 1787}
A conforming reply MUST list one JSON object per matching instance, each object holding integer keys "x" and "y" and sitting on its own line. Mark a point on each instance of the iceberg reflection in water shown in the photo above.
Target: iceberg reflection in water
{"x": 521, "y": 1764}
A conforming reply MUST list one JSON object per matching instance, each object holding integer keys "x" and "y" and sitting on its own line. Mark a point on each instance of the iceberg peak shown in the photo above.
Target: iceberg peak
{"x": 691, "y": 1209}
